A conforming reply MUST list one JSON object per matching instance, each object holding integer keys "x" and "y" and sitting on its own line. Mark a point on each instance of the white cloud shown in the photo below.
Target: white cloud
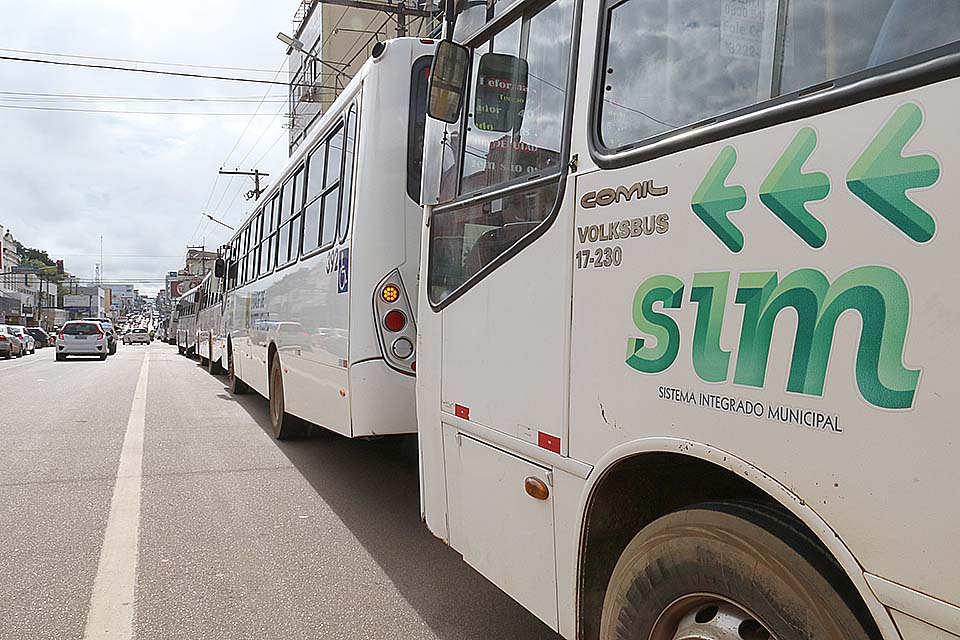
{"x": 139, "y": 180}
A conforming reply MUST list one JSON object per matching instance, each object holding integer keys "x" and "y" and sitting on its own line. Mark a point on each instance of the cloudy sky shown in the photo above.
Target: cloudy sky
{"x": 140, "y": 181}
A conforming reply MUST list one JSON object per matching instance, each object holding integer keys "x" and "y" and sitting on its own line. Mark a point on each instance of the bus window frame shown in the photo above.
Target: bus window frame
{"x": 921, "y": 69}
{"x": 352, "y": 117}
{"x": 523, "y": 183}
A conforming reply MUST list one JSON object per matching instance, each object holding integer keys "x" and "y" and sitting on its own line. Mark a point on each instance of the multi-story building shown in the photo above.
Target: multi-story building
{"x": 336, "y": 41}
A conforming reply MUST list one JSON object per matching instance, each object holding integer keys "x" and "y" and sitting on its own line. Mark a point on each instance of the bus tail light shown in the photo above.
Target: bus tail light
{"x": 394, "y": 320}
{"x": 395, "y": 324}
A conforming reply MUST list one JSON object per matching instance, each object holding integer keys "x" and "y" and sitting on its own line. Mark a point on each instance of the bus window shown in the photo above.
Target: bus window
{"x": 739, "y": 58}
{"x": 296, "y": 211}
{"x": 331, "y": 188}
{"x": 827, "y": 40}
{"x": 670, "y": 63}
{"x": 348, "y": 154}
{"x": 494, "y": 157}
{"x": 245, "y": 248}
{"x": 282, "y": 211}
{"x": 464, "y": 240}
{"x": 255, "y": 246}
{"x": 420, "y": 82}
{"x": 265, "y": 244}
{"x": 311, "y": 216}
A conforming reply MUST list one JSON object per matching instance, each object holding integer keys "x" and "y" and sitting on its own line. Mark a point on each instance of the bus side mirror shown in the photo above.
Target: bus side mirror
{"x": 448, "y": 81}
{"x": 501, "y": 94}
{"x": 219, "y": 268}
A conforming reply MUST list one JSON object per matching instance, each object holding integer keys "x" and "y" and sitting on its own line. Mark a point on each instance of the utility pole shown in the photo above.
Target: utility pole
{"x": 255, "y": 174}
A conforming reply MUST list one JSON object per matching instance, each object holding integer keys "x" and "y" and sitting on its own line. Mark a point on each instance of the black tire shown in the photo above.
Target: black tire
{"x": 103, "y": 356}
{"x": 61, "y": 357}
{"x": 729, "y": 564}
{"x": 285, "y": 426}
{"x": 7, "y": 355}
{"x": 237, "y": 386}
{"x": 181, "y": 350}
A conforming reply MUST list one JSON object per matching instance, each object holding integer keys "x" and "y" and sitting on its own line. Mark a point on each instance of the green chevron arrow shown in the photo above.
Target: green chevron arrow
{"x": 714, "y": 200}
{"x": 787, "y": 189}
{"x": 882, "y": 175}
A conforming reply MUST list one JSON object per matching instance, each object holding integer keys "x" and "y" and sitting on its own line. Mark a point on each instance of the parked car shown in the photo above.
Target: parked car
{"x": 43, "y": 338}
{"x": 29, "y": 344}
{"x": 107, "y": 325}
{"x": 82, "y": 338}
{"x": 10, "y": 345}
{"x": 136, "y": 336}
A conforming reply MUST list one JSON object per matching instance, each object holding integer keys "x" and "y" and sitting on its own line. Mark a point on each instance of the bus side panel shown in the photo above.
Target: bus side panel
{"x": 831, "y": 369}
{"x": 381, "y": 400}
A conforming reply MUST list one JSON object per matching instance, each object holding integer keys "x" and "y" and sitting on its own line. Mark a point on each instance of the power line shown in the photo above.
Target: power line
{"x": 56, "y": 97}
{"x": 124, "y": 111}
{"x": 178, "y": 74}
{"x": 153, "y": 62}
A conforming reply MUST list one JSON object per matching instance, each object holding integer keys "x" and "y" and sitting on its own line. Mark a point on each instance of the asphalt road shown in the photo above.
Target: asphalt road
{"x": 239, "y": 536}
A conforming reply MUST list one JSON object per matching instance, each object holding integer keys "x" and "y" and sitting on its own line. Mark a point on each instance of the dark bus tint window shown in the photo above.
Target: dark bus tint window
{"x": 419, "y": 83}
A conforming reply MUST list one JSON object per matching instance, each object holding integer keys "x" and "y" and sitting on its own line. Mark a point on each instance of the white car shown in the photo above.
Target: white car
{"x": 82, "y": 338}
{"x": 29, "y": 344}
{"x": 136, "y": 336}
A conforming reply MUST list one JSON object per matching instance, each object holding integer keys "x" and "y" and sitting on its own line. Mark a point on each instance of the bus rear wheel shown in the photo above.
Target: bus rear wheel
{"x": 285, "y": 426}
{"x": 237, "y": 386}
{"x": 730, "y": 571}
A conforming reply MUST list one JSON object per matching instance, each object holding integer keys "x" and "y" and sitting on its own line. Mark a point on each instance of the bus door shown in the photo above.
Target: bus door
{"x": 500, "y": 278}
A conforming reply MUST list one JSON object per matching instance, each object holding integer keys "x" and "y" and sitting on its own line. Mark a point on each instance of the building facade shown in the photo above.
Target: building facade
{"x": 337, "y": 40}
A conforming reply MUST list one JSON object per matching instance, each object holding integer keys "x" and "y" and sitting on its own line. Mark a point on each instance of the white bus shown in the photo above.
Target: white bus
{"x": 210, "y": 338}
{"x": 317, "y": 315}
{"x": 185, "y": 319}
{"x": 687, "y": 343}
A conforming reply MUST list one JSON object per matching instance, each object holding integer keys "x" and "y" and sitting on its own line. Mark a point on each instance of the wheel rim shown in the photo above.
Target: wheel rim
{"x": 276, "y": 399}
{"x": 708, "y": 617}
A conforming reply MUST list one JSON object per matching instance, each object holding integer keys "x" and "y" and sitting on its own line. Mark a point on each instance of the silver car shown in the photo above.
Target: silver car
{"x": 29, "y": 344}
{"x": 82, "y": 338}
{"x": 11, "y": 346}
{"x": 136, "y": 336}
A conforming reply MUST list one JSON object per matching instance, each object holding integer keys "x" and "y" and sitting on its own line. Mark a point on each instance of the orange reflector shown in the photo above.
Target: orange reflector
{"x": 390, "y": 293}
{"x": 536, "y": 488}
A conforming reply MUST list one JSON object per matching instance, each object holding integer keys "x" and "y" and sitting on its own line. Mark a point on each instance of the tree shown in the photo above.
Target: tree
{"x": 36, "y": 257}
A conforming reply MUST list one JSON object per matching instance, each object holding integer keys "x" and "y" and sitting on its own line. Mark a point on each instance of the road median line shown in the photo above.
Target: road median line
{"x": 110, "y": 616}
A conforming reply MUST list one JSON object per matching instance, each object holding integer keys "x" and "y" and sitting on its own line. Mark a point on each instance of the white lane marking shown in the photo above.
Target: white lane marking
{"x": 110, "y": 615}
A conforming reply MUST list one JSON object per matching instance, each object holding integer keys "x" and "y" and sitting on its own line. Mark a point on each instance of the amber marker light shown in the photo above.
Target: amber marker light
{"x": 390, "y": 293}
{"x": 536, "y": 488}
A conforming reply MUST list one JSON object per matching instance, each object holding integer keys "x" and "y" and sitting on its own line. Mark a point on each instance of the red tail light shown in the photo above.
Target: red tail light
{"x": 394, "y": 320}
{"x": 60, "y": 336}
{"x": 3, "y": 338}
